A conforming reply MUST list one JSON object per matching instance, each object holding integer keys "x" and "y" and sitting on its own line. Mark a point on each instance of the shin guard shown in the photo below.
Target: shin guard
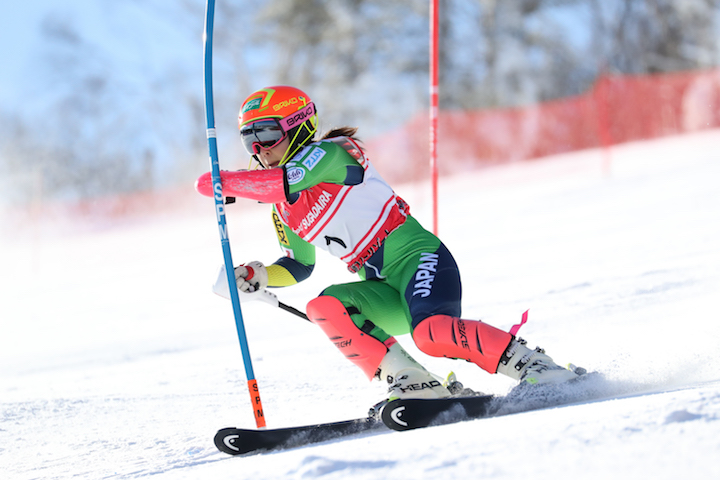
{"x": 452, "y": 337}
{"x": 361, "y": 349}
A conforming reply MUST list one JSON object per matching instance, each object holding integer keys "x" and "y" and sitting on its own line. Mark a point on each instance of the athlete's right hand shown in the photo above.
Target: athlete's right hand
{"x": 251, "y": 277}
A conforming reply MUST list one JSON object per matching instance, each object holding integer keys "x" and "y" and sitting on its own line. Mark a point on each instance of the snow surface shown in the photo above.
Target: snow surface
{"x": 116, "y": 360}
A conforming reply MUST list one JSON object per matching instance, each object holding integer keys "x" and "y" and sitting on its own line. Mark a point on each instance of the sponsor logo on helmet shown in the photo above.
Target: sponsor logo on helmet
{"x": 287, "y": 103}
{"x": 253, "y": 104}
{"x": 294, "y": 175}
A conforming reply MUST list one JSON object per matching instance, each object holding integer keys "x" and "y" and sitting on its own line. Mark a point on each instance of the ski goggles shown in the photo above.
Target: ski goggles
{"x": 261, "y": 134}
{"x": 269, "y": 132}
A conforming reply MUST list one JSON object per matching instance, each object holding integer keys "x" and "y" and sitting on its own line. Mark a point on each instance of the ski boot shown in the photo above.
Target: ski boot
{"x": 533, "y": 366}
{"x": 406, "y": 378}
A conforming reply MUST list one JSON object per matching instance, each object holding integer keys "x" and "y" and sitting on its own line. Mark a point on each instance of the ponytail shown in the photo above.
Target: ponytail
{"x": 341, "y": 132}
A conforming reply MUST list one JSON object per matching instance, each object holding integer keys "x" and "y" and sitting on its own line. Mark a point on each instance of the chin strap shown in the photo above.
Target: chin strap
{"x": 256, "y": 165}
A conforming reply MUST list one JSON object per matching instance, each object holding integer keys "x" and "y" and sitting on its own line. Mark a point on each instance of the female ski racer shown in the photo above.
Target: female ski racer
{"x": 327, "y": 194}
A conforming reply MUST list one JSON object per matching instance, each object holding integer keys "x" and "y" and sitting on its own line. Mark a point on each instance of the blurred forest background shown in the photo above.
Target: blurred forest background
{"x": 103, "y": 97}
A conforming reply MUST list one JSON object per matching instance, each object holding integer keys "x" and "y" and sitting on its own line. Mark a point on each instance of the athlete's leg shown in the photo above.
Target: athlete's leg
{"x": 433, "y": 293}
{"x": 419, "y": 266}
{"x": 343, "y": 312}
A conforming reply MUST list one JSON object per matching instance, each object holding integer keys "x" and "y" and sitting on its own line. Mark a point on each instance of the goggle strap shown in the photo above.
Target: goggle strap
{"x": 288, "y": 154}
{"x": 298, "y": 117}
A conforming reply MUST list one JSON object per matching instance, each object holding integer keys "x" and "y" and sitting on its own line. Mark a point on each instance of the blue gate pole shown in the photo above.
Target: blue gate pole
{"x": 220, "y": 213}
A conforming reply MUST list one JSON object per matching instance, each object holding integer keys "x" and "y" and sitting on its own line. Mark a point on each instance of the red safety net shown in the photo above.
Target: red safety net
{"x": 617, "y": 109}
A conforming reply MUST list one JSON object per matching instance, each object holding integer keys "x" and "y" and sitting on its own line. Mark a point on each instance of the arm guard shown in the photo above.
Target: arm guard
{"x": 267, "y": 186}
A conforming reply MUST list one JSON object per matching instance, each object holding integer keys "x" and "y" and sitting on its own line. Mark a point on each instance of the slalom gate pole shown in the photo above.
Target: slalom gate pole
{"x": 434, "y": 106}
{"x": 220, "y": 213}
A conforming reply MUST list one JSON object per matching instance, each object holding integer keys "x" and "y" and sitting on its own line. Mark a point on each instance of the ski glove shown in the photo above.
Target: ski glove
{"x": 251, "y": 277}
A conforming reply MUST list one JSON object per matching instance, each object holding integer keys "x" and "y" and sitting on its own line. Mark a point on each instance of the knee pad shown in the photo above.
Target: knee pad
{"x": 363, "y": 350}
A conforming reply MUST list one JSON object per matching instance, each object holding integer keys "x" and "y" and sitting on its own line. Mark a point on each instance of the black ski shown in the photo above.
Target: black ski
{"x": 238, "y": 441}
{"x": 407, "y": 414}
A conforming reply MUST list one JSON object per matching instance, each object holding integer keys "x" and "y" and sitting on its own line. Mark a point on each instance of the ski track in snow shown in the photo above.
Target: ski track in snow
{"x": 117, "y": 362}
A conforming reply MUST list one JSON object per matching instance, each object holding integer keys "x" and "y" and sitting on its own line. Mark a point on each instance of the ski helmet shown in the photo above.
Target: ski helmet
{"x": 271, "y": 114}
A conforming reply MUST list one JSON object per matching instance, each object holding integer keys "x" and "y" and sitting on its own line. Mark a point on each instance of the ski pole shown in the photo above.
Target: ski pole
{"x": 293, "y": 310}
{"x": 220, "y": 214}
{"x": 272, "y": 299}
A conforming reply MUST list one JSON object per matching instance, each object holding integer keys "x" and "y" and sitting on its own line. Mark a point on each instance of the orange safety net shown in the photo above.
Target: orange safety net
{"x": 617, "y": 109}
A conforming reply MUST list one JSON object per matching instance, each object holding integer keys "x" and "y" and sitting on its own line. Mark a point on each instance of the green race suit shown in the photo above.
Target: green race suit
{"x": 338, "y": 202}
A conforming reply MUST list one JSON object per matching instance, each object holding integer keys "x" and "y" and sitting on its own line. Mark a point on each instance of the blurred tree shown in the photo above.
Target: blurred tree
{"x": 123, "y": 112}
{"x": 493, "y": 53}
{"x": 652, "y": 36}
{"x": 336, "y": 49}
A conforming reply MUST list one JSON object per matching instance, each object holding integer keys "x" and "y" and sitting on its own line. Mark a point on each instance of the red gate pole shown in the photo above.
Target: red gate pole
{"x": 434, "y": 108}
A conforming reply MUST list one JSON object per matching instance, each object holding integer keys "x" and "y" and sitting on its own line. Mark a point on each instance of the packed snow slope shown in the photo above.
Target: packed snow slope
{"x": 116, "y": 360}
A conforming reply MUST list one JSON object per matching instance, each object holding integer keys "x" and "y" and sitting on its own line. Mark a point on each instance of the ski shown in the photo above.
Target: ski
{"x": 411, "y": 413}
{"x": 239, "y": 441}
